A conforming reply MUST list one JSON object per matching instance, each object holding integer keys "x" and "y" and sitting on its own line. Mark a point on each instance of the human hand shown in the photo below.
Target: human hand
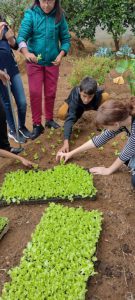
{"x": 2, "y": 24}
{"x": 100, "y": 171}
{"x": 9, "y": 34}
{"x": 57, "y": 61}
{"x": 26, "y": 162}
{"x": 65, "y": 147}
{"x": 4, "y": 77}
{"x": 63, "y": 156}
{"x": 30, "y": 57}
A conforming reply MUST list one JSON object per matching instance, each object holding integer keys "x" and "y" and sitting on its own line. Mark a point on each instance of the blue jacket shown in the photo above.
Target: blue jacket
{"x": 43, "y": 36}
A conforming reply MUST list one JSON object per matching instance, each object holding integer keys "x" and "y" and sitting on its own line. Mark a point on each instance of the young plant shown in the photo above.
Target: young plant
{"x": 59, "y": 259}
{"x": 128, "y": 65}
{"x": 62, "y": 182}
{"x": 3, "y": 222}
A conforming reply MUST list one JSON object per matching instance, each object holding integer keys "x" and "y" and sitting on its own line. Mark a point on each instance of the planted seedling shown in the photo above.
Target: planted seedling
{"x": 38, "y": 142}
{"x": 35, "y": 166}
{"x": 53, "y": 146}
{"x": 115, "y": 144}
{"x": 76, "y": 136}
{"x": 36, "y": 156}
{"x": 101, "y": 148}
{"x": 123, "y": 137}
{"x": 24, "y": 153}
{"x": 43, "y": 149}
{"x": 116, "y": 152}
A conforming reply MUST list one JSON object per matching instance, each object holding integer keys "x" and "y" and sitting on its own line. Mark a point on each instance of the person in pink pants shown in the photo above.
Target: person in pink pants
{"x": 44, "y": 40}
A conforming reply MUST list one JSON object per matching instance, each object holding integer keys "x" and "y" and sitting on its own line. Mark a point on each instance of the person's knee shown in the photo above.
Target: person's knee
{"x": 105, "y": 97}
{"x": 62, "y": 112}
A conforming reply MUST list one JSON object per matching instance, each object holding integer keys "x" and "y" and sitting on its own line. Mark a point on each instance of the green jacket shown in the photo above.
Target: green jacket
{"x": 43, "y": 36}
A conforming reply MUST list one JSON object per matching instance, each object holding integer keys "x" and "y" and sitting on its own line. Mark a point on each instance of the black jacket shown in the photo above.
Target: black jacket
{"x": 77, "y": 108}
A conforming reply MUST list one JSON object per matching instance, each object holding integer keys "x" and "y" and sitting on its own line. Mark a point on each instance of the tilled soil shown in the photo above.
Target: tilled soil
{"x": 115, "y": 267}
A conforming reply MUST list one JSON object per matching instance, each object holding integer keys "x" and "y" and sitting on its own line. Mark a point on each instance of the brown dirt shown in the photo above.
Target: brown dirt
{"x": 115, "y": 198}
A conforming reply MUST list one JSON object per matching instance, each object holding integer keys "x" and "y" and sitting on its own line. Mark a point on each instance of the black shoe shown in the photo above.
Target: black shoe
{"x": 52, "y": 124}
{"x": 18, "y": 139}
{"x": 25, "y": 132}
{"x": 37, "y": 130}
{"x": 16, "y": 150}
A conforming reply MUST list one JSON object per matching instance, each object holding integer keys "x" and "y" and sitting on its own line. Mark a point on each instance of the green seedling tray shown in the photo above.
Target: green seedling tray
{"x": 4, "y": 231}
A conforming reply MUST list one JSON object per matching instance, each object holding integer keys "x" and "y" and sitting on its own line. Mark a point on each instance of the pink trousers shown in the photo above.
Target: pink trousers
{"x": 42, "y": 78}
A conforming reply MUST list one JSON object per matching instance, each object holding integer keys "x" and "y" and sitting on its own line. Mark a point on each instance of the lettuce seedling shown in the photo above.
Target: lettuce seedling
{"x": 59, "y": 259}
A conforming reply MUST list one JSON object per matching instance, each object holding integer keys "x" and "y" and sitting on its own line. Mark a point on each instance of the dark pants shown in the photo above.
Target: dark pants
{"x": 4, "y": 143}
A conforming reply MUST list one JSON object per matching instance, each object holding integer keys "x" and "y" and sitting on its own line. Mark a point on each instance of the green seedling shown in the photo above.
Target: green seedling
{"x": 39, "y": 57}
{"x": 116, "y": 152}
{"x": 61, "y": 249}
{"x": 38, "y": 142}
{"x": 53, "y": 153}
{"x": 43, "y": 149}
{"x": 92, "y": 134}
{"x": 35, "y": 166}
{"x": 115, "y": 144}
{"x": 59, "y": 141}
{"x": 17, "y": 161}
{"x": 101, "y": 148}
{"x": 76, "y": 136}
{"x": 123, "y": 137}
{"x": 24, "y": 154}
{"x": 53, "y": 146}
{"x": 49, "y": 137}
{"x": 35, "y": 156}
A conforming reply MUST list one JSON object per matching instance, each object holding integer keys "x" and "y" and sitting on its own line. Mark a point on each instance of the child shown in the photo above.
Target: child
{"x": 4, "y": 143}
{"x": 7, "y": 61}
{"x": 42, "y": 28}
{"x": 86, "y": 96}
{"x": 115, "y": 116}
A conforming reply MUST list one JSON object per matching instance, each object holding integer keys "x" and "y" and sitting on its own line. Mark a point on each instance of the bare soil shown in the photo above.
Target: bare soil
{"x": 115, "y": 267}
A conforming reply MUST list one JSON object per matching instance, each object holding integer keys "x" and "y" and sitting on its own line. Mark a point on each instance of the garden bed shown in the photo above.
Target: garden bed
{"x": 60, "y": 257}
{"x": 4, "y": 226}
{"x": 62, "y": 183}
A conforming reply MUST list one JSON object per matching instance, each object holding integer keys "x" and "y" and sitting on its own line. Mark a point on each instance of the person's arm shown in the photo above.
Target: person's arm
{"x": 2, "y": 25}
{"x": 66, "y": 156}
{"x": 10, "y": 37}
{"x": 7, "y": 154}
{"x": 4, "y": 77}
{"x": 25, "y": 32}
{"x": 108, "y": 171}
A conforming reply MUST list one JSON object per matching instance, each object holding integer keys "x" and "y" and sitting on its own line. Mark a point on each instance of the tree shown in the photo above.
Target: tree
{"x": 12, "y": 11}
{"x": 85, "y": 15}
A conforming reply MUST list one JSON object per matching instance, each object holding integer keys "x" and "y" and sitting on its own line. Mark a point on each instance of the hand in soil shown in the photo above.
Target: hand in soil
{"x": 26, "y": 162}
{"x": 62, "y": 156}
{"x": 100, "y": 171}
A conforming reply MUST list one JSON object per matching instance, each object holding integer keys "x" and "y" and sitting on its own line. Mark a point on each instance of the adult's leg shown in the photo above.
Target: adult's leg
{"x": 4, "y": 143}
{"x": 133, "y": 178}
{"x": 35, "y": 78}
{"x": 20, "y": 98}
{"x": 51, "y": 75}
{"x": 6, "y": 103}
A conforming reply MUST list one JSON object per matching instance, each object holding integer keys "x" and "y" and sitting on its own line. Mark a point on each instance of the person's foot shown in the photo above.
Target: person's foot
{"x": 52, "y": 124}
{"x": 16, "y": 150}
{"x": 25, "y": 132}
{"x": 18, "y": 139}
{"x": 37, "y": 130}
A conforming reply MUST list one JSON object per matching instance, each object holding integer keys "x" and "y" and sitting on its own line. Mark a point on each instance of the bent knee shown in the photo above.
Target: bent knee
{"x": 62, "y": 112}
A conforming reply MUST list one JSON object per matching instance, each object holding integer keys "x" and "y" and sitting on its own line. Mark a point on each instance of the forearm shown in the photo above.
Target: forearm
{"x": 116, "y": 165}
{"x": 7, "y": 154}
{"x": 88, "y": 145}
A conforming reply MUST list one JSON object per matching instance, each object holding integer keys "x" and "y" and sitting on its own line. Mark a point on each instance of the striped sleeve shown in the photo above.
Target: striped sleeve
{"x": 129, "y": 149}
{"x": 104, "y": 137}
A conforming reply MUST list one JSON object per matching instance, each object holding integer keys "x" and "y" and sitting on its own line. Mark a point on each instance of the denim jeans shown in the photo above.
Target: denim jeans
{"x": 20, "y": 99}
{"x": 131, "y": 165}
{"x": 4, "y": 143}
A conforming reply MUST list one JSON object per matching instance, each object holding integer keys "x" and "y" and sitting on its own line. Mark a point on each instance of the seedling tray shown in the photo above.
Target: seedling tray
{"x": 4, "y": 231}
{"x": 32, "y": 201}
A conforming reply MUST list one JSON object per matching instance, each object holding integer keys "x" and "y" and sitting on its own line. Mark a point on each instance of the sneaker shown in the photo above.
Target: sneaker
{"x": 37, "y": 130}
{"x": 25, "y": 132}
{"x": 18, "y": 139}
{"x": 52, "y": 124}
{"x": 16, "y": 150}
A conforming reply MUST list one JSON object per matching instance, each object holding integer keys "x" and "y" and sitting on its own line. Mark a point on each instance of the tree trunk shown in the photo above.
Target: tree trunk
{"x": 116, "y": 42}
